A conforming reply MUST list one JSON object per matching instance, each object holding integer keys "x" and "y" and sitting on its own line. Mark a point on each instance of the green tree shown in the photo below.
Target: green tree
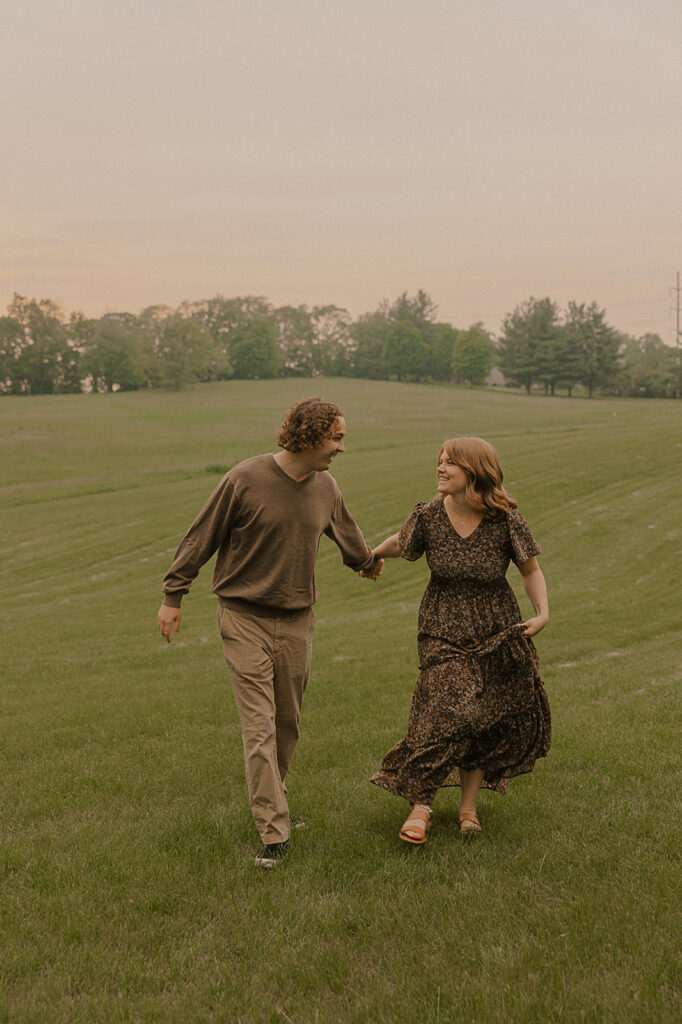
{"x": 223, "y": 317}
{"x": 368, "y": 340}
{"x": 594, "y": 343}
{"x": 149, "y": 326}
{"x": 441, "y": 340}
{"x": 47, "y": 363}
{"x": 254, "y": 350}
{"x": 648, "y": 367}
{"x": 473, "y": 355}
{"x": 71, "y": 373}
{"x": 12, "y": 343}
{"x": 418, "y": 310}
{"x": 115, "y": 356}
{"x": 332, "y": 342}
{"x": 182, "y": 347}
{"x": 296, "y": 340}
{"x": 566, "y": 359}
{"x": 525, "y": 349}
{"x": 406, "y": 353}
{"x": 371, "y": 353}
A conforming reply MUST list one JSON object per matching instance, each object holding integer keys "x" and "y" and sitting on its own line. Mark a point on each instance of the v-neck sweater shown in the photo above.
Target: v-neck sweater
{"x": 266, "y": 529}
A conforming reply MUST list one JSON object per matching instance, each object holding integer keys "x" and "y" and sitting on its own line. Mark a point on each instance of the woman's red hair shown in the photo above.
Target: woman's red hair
{"x": 481, "y": 464}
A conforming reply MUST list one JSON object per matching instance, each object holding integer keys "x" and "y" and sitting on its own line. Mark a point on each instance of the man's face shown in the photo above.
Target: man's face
{"x": 332, "y": 444}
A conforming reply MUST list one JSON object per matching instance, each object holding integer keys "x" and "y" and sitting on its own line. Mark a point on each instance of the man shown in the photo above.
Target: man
{"x": 265, "y": 520}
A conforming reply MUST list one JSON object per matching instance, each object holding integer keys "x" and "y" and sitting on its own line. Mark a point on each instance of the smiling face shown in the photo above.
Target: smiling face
{"x": 452, "y": 480}
{"x": 470, "y": 474}
{"x": 330, "y": 446}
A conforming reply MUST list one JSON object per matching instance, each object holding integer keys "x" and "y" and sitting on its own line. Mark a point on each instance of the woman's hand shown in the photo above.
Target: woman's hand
{"x": 536, "y": 588}
{"x": 375, "y": 572}
{"x": 533, "y": 626}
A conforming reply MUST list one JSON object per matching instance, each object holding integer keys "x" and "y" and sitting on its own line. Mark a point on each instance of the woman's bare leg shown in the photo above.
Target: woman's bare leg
{"x": 470, "y": 783}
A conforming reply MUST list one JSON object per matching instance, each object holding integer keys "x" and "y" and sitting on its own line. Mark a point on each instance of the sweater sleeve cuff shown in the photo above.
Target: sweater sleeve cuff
{"x": 172, "y": 600}
{"x": 366, "y": 566}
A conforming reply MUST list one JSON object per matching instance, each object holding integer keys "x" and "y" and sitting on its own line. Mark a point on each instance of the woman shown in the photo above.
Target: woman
{"x": 479, "y": 712}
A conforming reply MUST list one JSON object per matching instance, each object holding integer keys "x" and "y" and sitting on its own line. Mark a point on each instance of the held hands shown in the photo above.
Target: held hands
{"x": 389, "y": 548}
{"x": 169, "y": 621}
{"x": 375, "y": 571}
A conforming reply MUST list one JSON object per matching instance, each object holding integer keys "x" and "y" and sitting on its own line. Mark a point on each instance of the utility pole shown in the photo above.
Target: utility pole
{"x": 677, "y": 336}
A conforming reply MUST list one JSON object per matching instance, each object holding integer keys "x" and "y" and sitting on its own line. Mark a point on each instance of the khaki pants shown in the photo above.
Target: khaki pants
{"x": 268, "y": 661}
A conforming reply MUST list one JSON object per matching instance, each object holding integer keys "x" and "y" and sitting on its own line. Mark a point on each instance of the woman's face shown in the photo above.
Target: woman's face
{"x": 451, "y": 478}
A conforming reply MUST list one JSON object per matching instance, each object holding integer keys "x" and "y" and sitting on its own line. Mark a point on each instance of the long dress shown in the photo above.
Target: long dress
{"x": 479, "y": 701}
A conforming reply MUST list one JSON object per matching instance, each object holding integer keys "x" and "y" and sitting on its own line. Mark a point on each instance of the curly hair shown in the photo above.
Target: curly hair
{"x": 481, "y": 464}
{"x": 306, "y": 424}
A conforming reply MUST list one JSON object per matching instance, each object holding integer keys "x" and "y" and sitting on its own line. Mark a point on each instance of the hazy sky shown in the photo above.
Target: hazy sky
{"x": 344, "y": 151}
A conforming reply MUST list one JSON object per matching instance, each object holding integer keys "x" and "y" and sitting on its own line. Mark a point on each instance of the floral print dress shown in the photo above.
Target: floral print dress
{"x": 479, "y": 701}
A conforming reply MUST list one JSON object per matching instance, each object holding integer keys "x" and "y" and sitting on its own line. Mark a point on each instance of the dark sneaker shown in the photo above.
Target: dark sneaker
{"x": 272, "y": 854}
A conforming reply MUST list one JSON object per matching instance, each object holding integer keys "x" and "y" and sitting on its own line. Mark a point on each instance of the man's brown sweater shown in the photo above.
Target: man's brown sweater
{"x": 266, "y": 528}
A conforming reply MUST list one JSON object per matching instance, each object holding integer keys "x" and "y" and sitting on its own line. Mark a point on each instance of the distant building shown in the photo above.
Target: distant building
{"x": 497, "y": 379}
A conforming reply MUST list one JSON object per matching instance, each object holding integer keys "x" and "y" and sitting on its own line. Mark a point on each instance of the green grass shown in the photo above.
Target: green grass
{"x": 128, "y": 892}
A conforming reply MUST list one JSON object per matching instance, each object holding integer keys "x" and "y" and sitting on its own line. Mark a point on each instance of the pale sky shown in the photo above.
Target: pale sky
{"x": 344, "y": 151}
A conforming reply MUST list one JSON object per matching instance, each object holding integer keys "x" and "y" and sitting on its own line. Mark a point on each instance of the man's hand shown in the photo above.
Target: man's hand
{"x": 375, "y": 571}
{"x": 169, "y": 620}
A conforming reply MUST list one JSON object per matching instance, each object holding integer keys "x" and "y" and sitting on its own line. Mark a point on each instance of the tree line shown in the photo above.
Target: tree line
{"x": 44, "y": 351}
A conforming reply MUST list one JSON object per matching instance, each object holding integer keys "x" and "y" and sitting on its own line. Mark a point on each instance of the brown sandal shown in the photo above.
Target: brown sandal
{"x": 417, "y": 825}
{"x": 473, "y": 827}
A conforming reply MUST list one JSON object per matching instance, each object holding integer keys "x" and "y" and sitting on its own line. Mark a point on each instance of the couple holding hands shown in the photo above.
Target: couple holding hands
{"x": 479, "y": 712}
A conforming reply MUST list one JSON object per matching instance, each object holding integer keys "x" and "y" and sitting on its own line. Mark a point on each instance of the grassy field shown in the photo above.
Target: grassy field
{"x": 128, "y": 889}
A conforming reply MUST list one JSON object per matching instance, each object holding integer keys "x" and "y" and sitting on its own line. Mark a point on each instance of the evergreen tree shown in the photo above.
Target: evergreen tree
{"x": 525, "y": 349}
{"x": 566, "y": 359}
{"x": 419, "y": 311}
{"x": 594, "y": 343}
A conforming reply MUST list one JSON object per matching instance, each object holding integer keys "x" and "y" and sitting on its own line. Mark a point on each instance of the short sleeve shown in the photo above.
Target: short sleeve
{"x": 412, "y": 534}
{"x": 523, "y": 544}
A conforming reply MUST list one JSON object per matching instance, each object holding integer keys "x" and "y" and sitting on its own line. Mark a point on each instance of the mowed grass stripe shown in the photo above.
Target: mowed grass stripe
{"x": 128, "y": 889}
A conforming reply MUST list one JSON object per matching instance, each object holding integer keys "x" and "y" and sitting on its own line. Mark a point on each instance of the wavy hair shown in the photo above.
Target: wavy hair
{"x": 307, "y": 424}
{"x": 481, "y": 464}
